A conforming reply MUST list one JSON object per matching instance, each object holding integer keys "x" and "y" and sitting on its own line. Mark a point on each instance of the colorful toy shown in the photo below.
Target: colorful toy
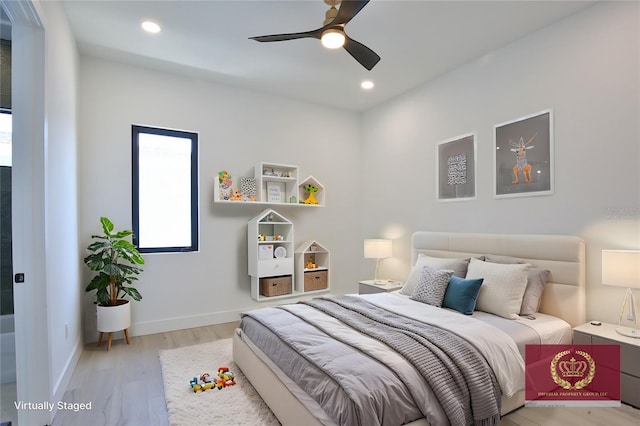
{"x": 223, "y": 175}
{"x": 196, "y": 385}
{"x": 236, "y": 195}
{"x": 225, "y": 378}
{"x": 311, "y": 263}
{"x": 311, "y": 199}
{"x": 225, "y": 182}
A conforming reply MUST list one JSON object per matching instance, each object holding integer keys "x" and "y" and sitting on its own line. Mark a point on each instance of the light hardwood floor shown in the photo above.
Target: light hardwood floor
{"x": 125, "y": 387}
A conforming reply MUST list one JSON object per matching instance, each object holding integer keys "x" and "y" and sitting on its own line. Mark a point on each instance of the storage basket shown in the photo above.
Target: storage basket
{"x": 275, "y": 286}
{"x": 315, "y": 280}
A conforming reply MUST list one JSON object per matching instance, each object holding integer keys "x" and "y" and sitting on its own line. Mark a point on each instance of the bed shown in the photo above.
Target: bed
{"x": 275, "y": 346}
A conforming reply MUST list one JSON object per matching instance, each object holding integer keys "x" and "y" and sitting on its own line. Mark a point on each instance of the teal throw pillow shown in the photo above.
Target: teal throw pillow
{"x": 462, "y": 294}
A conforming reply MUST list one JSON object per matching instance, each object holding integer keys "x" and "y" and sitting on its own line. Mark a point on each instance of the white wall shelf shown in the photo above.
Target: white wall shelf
{"x": 276, "y": 185}
{"x": 317, "y": 196}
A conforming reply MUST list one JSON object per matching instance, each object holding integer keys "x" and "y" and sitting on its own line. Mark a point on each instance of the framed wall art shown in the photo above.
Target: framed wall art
{"x": 275, "y": 191}
{"x": 523, "y": 156}
{"x": 456, "y": 168}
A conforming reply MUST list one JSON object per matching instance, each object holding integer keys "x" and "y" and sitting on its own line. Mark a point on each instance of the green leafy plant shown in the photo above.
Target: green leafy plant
{"x": 115, "y": 259}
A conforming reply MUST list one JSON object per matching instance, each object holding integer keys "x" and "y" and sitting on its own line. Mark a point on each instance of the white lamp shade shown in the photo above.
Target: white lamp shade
{"x": 621, "y": 268}
{"x": 378, "y": 249}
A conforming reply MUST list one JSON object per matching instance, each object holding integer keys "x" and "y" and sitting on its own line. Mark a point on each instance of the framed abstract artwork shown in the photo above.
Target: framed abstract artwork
{"x": 523, "y": 156}
{"x": 456, "y": 168}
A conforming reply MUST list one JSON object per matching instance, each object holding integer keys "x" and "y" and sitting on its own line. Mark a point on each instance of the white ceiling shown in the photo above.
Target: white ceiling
{"x": 417, "y": 40}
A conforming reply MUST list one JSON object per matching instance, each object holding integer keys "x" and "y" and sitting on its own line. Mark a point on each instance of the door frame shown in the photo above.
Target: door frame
{"x": 33, "y": 378}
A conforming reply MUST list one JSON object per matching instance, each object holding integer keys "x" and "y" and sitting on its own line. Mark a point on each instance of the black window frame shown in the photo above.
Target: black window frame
{"x": 136, "y": 130}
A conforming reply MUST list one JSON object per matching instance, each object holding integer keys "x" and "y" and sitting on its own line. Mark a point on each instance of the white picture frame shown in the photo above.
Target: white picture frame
{"x": 523, "y": 156}
{"x": 275, "y": 192}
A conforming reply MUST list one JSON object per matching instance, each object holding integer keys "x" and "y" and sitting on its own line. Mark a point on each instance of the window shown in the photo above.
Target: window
{"x": 165, "y": 190}
{"x": 5, "y": 137}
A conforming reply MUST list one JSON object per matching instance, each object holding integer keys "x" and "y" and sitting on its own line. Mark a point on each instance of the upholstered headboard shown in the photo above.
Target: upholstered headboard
{"x": 562, "y": 255}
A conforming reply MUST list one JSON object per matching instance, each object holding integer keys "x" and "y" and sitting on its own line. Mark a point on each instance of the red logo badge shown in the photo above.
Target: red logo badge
{"x": 572, "y": 375}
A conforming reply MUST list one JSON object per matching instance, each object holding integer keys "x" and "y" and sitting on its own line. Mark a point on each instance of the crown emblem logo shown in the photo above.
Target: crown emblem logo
{"x": 572, "y": 368}
{"x": 561, "y": 370}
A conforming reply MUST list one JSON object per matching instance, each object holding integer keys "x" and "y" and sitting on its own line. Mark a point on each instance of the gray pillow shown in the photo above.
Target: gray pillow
{"x": 536, "y": 280}
{"x": 431, "y": 286}
{"x": 459, "y": 267}
{"x": 498, "y": 258}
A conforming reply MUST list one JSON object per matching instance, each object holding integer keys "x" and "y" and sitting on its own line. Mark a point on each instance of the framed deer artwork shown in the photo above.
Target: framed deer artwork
{"x": 523, "y": 156}
{"x": 456, "y": 168}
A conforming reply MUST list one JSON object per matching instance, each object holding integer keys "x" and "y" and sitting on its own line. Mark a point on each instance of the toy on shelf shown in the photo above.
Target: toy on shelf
{"x": 311, "y": 199}
{"x": 311, "y": 263}
{"x": 236, "y": 195}
{"x": 225, "y": 182}
{"x": 248, "y": 188}
{"x": 262, "y": 237}
{"x": 225, "y": 378}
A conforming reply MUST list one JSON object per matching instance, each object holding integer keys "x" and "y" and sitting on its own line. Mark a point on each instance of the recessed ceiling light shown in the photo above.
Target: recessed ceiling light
{"x": 151, "y": 27}
{"x": 367, "y": 85}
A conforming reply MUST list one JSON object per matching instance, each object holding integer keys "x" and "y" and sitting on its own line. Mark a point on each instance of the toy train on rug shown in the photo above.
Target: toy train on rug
{"x": 225, "y": 378}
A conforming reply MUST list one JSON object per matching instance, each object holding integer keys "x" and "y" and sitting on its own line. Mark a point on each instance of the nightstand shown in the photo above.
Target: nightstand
{"x": 605, "y": 334}
{"x": 368, "y": 286}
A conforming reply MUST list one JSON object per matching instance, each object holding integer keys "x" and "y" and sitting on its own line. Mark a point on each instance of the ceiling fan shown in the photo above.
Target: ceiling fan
{"x": 332, "y": 32}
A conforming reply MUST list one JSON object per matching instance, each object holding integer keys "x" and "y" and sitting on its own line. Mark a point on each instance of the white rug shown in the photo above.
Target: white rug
{"x": 235, "y": 405}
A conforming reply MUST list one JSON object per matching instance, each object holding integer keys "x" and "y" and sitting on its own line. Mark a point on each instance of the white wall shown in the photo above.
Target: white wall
{"x": 586, "y": 68}
{"x": 237, "y": 129}
{"x": 378, "y": 167}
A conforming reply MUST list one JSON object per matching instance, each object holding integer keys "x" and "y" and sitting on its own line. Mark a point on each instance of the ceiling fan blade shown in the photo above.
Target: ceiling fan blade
{"x": 361, "y": 53}
{"x": 293, "y": 36}
{"x": 348, "y": 9}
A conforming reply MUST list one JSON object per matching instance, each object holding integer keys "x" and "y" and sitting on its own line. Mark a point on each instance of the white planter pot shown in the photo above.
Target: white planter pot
{"x": 114, "y": 318}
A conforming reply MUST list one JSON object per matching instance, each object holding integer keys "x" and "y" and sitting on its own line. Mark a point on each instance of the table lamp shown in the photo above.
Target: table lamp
{"x": 621, "y": 268}
{"x": 377, "y": 249}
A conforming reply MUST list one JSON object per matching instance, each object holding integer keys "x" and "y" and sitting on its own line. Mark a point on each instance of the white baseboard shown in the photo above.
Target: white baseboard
{"x": 62, "y": 384}
{"x": 181, "y": 323}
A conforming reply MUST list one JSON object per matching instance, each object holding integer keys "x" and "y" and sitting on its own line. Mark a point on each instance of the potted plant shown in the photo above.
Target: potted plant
{"x": 116, "y": 260}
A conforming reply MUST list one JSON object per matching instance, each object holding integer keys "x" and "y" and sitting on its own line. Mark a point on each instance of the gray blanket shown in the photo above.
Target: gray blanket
{"x": 364, "y": 384}
{"x": 454, "y": 369}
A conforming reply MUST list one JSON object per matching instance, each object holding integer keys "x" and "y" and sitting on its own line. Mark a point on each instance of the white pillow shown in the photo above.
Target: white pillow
{"x": 458, "y": 266}
{"x": 503, "y": 287}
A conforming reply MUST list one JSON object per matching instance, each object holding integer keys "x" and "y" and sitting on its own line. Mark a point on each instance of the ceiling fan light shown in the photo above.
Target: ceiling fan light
{"x": 333, "y": 38}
